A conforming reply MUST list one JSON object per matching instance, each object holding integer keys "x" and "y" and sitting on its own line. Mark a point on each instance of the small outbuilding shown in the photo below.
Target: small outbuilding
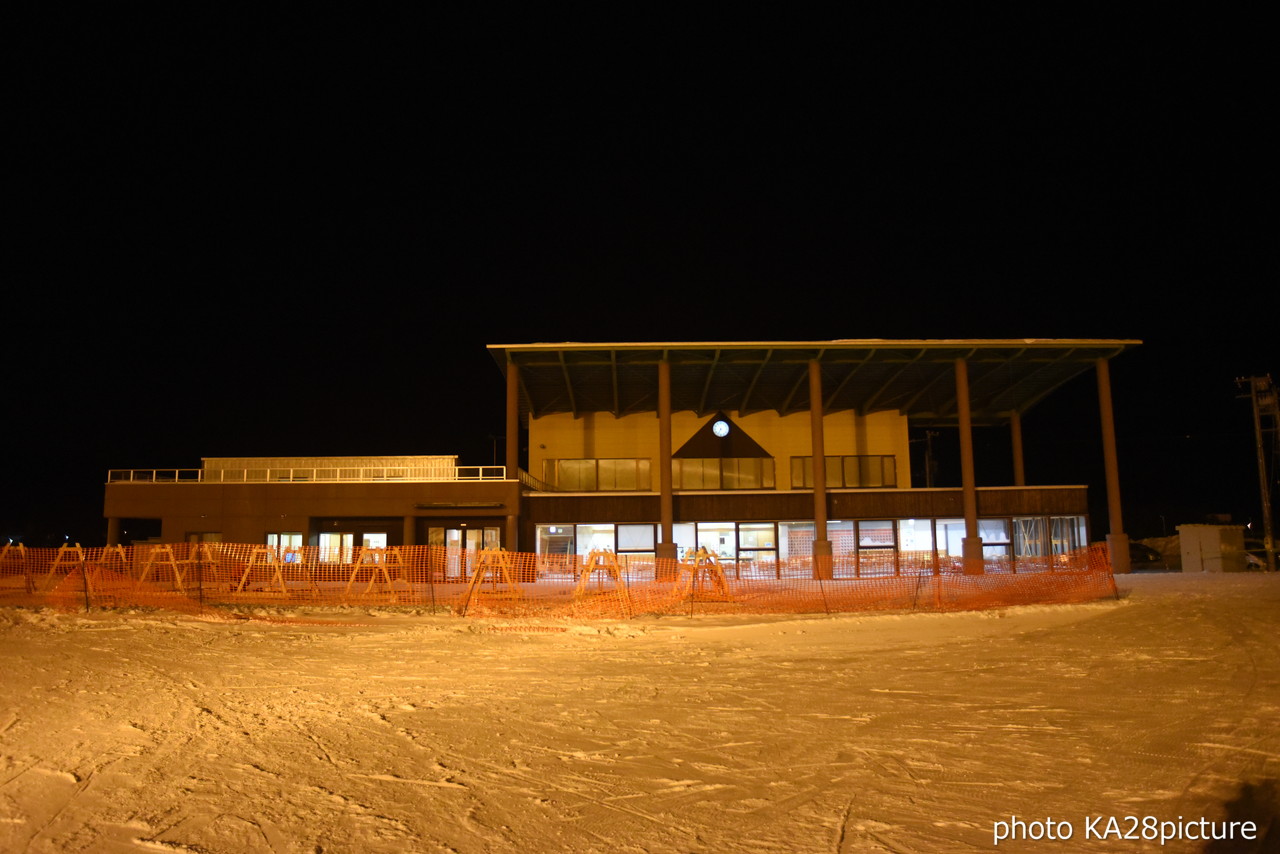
{"x": 1212, "y": 548}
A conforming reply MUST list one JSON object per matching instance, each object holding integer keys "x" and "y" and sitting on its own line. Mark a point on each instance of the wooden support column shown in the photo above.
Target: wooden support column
{"x": 822, "y": 552}
{"x": 667, "y": 563}
{"x": 512, "y": 452}
{"x": 971, "y": 545}
{"x": 113, "y": 531}
{"x": 1015, "y": 436}
{"x": 1117, "y": 539}
{"x": 409, "y": 538}
{"x": 512, "y": 533}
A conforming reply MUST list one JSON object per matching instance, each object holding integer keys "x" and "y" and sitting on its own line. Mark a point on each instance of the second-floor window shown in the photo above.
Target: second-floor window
{"x": 727, "y": 473}
{"x": 633, "y": 475}
{"x": 592, "y": 475}
{"x": 854, "y": 471}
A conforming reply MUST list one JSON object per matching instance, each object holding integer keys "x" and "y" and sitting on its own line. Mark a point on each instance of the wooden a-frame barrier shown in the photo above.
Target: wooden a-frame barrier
{"x": 698, "y": 566}
{"x": 163, "y": 557}
{"x": 17, "y": 552}
{"x": 493, "y": 562}
{"x": 112, "y": 558}
{"x": 265, "y": 557}
{"x": 604, "y": 560}
{"x": 378, "y": 559}
{"x": 69, "y": 556}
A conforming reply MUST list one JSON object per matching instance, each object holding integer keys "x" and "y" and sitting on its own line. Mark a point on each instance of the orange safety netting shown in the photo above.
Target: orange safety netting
{"x": 203, "y": 577}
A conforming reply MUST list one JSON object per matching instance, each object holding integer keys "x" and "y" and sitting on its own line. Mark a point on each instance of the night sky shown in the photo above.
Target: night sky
{"x": 273, "y": 237}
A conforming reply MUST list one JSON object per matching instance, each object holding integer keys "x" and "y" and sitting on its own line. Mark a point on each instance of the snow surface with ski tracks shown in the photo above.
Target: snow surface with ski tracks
{"x": 398, "y": 731}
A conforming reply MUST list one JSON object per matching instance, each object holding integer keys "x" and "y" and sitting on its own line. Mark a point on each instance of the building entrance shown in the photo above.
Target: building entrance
{"x": 461, "y": 545}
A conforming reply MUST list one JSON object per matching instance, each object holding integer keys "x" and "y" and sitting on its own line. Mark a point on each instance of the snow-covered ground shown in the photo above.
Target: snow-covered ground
{"x": 363, "y": 731}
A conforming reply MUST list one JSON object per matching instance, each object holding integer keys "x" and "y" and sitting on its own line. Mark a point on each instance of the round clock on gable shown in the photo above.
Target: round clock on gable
{"x": 720, "y": 428}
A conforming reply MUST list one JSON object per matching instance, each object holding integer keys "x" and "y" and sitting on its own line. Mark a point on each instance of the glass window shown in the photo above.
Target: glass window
{"x": 866, "y": 471}
{"x": 950, "y": 537}
{"x": 915, "y": 545}
{"x": 995, "y": 538}
{"x": 204, "y": 536}
{"x": 337, "y": 547}
{"x": 874, "y": 471}
{"x": 997, "y": 551}
{"x": 555, "y": 548}
{"x": 718, "y": 538}
{"x": 876, "y": 535}
{"x": 592, "y": 537}
{"x": 994, "y": 530}
{"x": 795, "y": 539}
{"x": 285, "y": 541}
{"x": 710, "y": 474}
{"x": 876, "y": 553}
{"x": 555, "y": 540}
{"x": 734, "y": 474}
{"x": 727, "y": 473}
{"x": 757, "y": 535}
{"x": 1068, "y": 533}
{"x": 746, "y": 473}
{"x": 843, "y": 536}
{"x": 575, "y": 475}
{"x": 1028, "y": 537}
{"x": 685, "y": 535}
{"x": 695, "y": 474}
{"x": 635, "y": 538}
{"x": 835, "y": 471}
{"x": 623, "y": 474}
{"x": 611, "y": 473}
{"x": 915, "y": 535}
{"x": 757, "y": 548}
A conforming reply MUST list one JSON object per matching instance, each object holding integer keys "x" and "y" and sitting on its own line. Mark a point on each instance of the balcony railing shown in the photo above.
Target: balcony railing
{"x": 310, "y": 475}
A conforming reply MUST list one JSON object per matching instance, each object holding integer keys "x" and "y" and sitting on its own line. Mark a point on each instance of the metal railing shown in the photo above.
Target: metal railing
{"x": 530, "y": 482}
{"x": 329, "y": 474}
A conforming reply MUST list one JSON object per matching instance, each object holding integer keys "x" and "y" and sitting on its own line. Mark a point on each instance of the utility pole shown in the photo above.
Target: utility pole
{"x": 1263, "y": 394}
{"x": 929, "y": 465}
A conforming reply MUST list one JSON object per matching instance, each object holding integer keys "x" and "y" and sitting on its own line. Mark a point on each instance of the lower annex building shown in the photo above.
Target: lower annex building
{"x": 756, "y": 451}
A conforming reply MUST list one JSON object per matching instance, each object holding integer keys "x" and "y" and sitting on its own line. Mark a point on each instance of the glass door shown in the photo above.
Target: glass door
{"x": 461, "y": 546}
{"x": 337, "y": 546}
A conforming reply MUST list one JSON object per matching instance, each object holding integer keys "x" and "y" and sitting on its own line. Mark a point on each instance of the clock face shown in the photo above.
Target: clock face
{"x": 720, "y": 428}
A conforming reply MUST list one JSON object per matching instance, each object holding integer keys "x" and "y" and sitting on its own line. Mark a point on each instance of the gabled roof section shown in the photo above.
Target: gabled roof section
{"x": 915, "y": 377}
{"x": 705, "y": 444}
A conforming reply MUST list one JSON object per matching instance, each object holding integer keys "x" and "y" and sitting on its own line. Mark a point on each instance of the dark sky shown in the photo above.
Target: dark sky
{"x": 262, "y": 237}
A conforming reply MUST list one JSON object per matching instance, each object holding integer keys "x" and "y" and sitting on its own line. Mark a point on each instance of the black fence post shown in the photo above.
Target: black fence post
{"x": 84, "y": 573}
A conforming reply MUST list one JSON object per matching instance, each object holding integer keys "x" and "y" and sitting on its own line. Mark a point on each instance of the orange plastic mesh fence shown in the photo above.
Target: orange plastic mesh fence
{"x": 207, "y": 577}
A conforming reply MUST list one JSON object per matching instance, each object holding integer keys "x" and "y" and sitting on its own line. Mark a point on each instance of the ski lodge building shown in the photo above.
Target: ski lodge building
{"x": 756, "y": 451}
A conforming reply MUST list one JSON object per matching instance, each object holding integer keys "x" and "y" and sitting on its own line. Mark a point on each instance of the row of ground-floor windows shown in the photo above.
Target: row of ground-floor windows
{"x": 1016, "y": 538}
{"x": 341, "y": 546}
{"x": 1009, "y": 537}
{"x": 335, "y": 546}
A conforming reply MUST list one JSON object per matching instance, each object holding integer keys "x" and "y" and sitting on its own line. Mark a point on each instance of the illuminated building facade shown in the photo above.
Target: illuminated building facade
{"x": 757, "y": 451}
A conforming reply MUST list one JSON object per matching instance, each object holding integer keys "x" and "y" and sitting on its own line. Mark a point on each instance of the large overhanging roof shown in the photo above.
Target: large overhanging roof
{"x": 867, "y": 375}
